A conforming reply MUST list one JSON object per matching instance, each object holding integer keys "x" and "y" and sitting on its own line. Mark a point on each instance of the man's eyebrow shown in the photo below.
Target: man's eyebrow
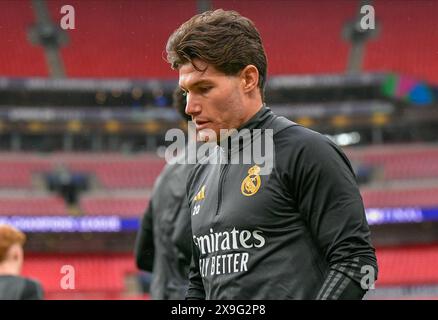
{"x": 197, "y": 83}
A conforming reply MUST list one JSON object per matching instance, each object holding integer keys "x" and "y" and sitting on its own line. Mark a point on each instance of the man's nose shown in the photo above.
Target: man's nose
{"x": 193, "y": 107}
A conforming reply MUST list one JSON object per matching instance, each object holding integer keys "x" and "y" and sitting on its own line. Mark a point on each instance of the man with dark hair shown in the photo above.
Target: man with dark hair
{"x": 296, "y": 232}
{"x": 12, "y": 285}
{"x": 163, "y": 244}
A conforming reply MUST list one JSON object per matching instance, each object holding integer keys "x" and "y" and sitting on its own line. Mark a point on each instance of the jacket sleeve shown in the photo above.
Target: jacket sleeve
{"x": 195, "y": 290}
{"x": 324, "y": 186}
{"x": 182, "y": 236}
{"x": 144, "y": 244}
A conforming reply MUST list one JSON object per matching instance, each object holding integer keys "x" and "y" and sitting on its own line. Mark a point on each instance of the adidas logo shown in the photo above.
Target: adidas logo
{"x": 200, "y": 195}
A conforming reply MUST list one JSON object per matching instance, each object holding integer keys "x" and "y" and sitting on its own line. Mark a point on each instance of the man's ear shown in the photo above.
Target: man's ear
{"x": 15, "y": 252}
{"x": 250, "y": 78}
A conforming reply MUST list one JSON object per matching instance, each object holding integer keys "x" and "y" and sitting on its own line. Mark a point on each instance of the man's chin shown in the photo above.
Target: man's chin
{"x": 206, "y": 135}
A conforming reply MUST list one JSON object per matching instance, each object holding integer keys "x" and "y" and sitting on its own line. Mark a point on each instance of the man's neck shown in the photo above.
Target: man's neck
{"x": 251, "y": 115}
{"x": 9, "y": 269}
{"x": 253, "y": 108}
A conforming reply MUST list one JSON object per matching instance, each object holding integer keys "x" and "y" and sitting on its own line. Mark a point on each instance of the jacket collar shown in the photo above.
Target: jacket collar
{"x": 258, "y": 121}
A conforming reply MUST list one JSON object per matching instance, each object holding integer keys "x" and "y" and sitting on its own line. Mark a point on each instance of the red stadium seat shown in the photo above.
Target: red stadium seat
{"x": 129, "y": 174}
{"x": 409, "y": 197}
{"x": 42, "y": 206}
{"x": 113, "y": 171}
{"x": 127, "y": 207}
{"x": 404, "y": 45}
{"x": 97, "y": 273}
{"x": 17, "y": 173}
{"x": 14, "y": 177}
{"x": 416, "y": 265}
{"x": 102, "y": 276}
{"x": 400, "y": 162}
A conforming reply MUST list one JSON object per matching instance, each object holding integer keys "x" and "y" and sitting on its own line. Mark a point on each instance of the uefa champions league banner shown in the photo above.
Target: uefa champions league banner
{"x": 375, "y": 216}
{"x": 65, "y": 224}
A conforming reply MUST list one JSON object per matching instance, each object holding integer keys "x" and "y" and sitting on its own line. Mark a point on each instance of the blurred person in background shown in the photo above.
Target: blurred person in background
{"x": 66, "y": 183}
{"x": 12, "y": 285}
{"x": 297, "y": 232}
{"x": 163, "y": 244}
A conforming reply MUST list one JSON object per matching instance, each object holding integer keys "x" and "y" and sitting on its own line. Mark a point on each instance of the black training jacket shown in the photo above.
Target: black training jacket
{"x": 163, "y": 244}
{"x": 299, "y": 232}
{"x": 19, "y": 288}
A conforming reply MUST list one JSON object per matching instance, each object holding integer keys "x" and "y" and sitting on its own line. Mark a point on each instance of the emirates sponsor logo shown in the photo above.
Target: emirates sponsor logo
{"x": 221, "y": 247}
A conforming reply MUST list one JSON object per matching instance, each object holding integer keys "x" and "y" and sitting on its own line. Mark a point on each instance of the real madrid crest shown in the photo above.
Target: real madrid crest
{"x": 251, "y": 184}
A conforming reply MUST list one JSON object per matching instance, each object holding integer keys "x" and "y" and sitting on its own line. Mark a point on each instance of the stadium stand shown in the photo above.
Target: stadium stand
{"x": 15, "y": 177}
{"x": 417, "y": 163}
{"x": 414, "y": 265}
{"x": 116, "y": 172}
{"x": 33, "y": 206}
{"x": 102, "y": 276}
{"x": 413, "y": 43}
{"x": 126, "y": 207}
{"x": 408, "y": 197}
{"x": 97, "y": 276}
{"x": 400, "y": 162}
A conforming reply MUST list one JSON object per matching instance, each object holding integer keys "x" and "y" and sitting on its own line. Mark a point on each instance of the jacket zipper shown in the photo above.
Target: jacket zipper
{"x": 223, "y": 172}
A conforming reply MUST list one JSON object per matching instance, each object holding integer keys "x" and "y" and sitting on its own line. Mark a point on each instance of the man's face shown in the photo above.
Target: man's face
{"x": 214, "y": 100}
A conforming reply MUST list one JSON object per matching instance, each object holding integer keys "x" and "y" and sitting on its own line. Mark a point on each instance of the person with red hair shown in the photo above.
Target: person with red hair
{"x": 12, "y": 285}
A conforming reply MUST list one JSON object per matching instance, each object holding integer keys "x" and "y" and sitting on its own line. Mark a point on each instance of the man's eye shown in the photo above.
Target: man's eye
{"x": 204, "y": 89}
{"x": 184, "y": 93}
